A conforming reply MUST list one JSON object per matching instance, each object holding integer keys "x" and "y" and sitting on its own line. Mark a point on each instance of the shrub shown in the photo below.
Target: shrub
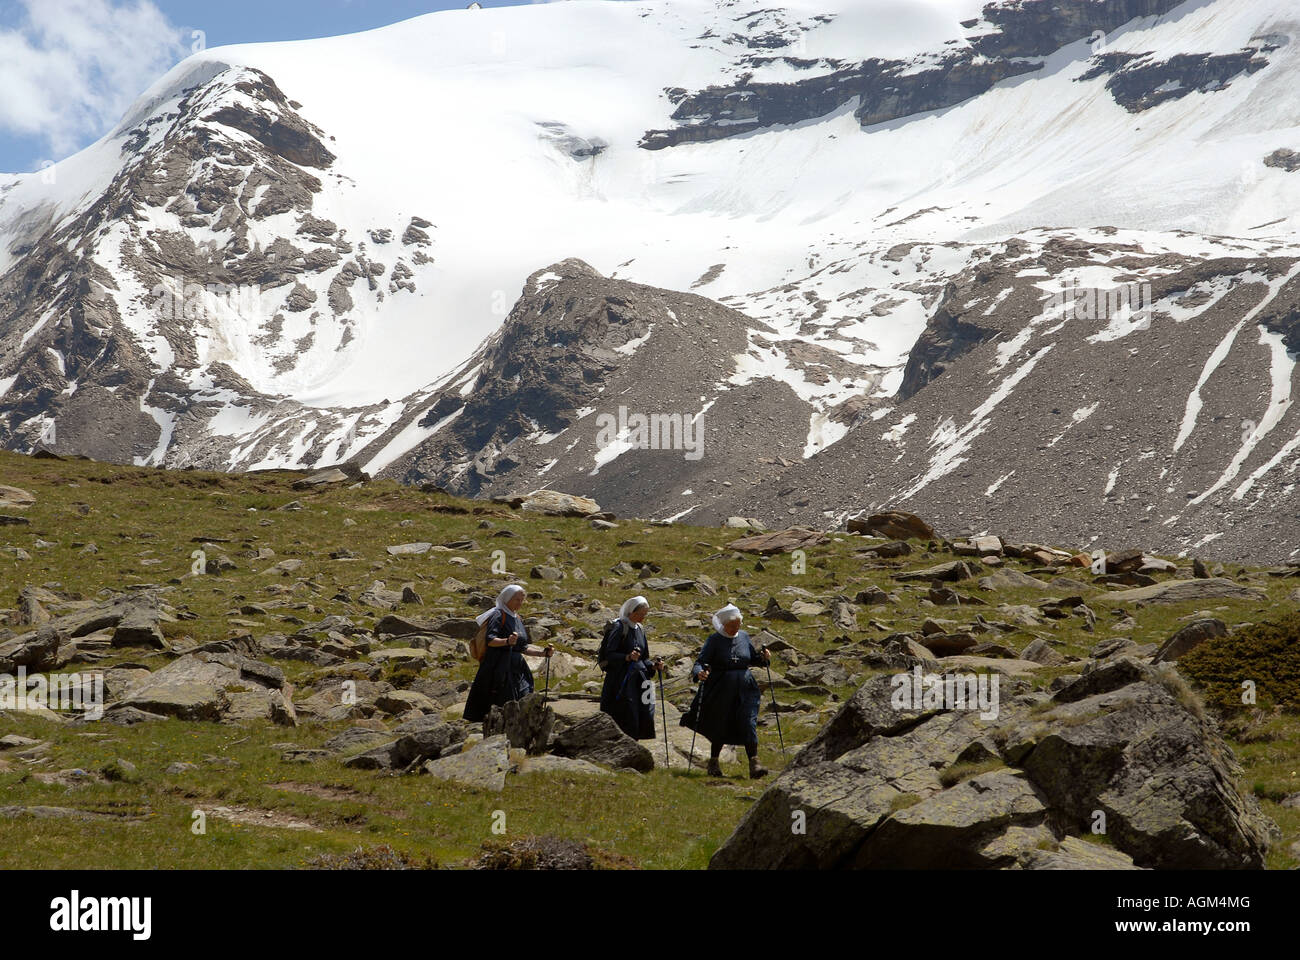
{"x": 1267, "y": 653}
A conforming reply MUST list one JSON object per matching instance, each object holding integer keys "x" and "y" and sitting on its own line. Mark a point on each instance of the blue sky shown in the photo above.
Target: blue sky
{"x": 70, "y": 68}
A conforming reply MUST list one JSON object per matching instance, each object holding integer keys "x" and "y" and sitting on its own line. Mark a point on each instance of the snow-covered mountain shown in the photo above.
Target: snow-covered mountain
{"x": 856, "y": 245}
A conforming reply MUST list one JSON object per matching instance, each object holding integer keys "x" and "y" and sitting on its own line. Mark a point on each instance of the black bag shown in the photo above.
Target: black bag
{"x": 602, "y": 654}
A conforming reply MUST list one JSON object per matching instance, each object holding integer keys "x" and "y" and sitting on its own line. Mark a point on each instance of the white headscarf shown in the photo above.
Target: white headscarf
{"x": 503, "y": 598}
{"x": 726, "y": 615}
{"x": 632, "y": 606}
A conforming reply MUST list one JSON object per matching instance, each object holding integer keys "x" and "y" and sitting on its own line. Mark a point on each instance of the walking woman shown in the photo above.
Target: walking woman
{"x": 503, "y": 674}
{"x": 729, "y": 695}
{"x": 629, "y": 672}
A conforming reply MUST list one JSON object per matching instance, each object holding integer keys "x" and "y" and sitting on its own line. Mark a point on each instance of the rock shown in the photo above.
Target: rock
{"x": 184, "y": 701}
{"x": 944, "y": 644}
{"x": 409, "y": 549}
{"x": 1124, "y": 561}
{"x": 952, "y": 571}
{"x": 744, "y": 523}
{"x": 354, "y": 737}
{"x": 402, "y": 656}
{"x": 1177, "y": 591}
{"x": 1073, "y": 853}
{"x": 780, "y": 541}
{"x": 12, "y": 498}
{"x": 883, "y": 785}
{"x": 556, "y": 504}
{"x": 13, "y": 741}
{"x": 398, "y": 626}
{"x": 969, "y": 825}
{"x": 322, "y": 478}
{"x": 398, "y": 702}
{"x": 526, "y": 723}
{"x": 37, "y": 651}
{"x": 140, "y": 628}
{"x": 1189, "y": 638}
{"x": 894, "y": 524}
{"x": 1012, "y": 580}
{"x": 543, "y": 572}
{"x": 598, "y": 739}
{"x": 888, "y": 550}
{"x": 483, "y": 766}
{"x": 423, "y": 742}
{"x": 552, "y": 764}
{"x": 872, "y": 596}
{"x": 120, "y": 771}
{"x": 190, "y": 688}
{"x": 1040, "y": 651}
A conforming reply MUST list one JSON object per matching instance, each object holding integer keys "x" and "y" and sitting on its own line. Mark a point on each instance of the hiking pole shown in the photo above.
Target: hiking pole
{"x": 663, "y": 718}
{"x": 546, "y": 695}
{"x": 772, "y": 690}
{"x": 694, "y": 730}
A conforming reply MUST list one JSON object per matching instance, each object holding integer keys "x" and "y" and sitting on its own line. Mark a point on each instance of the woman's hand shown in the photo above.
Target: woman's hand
{"x": 634, "y": 656}
{"x": 550, "y": 649}
{"x": 704, "y": 675}
{"x": 767, "y": 655}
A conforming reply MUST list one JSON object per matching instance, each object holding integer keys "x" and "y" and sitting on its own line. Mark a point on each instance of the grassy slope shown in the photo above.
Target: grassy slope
{"x": 143, "y": 523}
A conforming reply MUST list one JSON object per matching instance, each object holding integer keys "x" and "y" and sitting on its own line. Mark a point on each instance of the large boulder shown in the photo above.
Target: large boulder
{"x": 37, "y": 651}
{"x": 1189, "y": 638}
{"x": 483, "y": 766}
{"x": 893, "y": 524}
{"x": 1176, "y": 591}
{"x": 780, "y": 541}
{"x": 598, "y": 739}
{"x": 896, "y": 781}
{"x": 527, "y": 723}
{"x": 557, "y": 504}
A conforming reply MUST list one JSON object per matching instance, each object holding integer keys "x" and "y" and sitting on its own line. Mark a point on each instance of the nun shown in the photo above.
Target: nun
{"x": 729, "y": 696}
{"x": 627, "y": 695}
{"x": 503, "y": 673}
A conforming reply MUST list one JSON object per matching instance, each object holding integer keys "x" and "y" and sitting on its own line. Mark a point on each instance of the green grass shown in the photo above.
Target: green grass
{"x": 144, "y": 524}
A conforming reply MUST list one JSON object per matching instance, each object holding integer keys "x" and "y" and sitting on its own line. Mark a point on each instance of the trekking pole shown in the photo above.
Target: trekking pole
{"x": 546, "y": 695}
{"x": 700, "y": 695}
{"x": 772, "y": 690}
{"x": 663, "y": 718}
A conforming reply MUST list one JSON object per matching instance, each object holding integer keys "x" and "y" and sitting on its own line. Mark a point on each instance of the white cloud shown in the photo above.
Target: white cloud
{"x": 71, "y": 68}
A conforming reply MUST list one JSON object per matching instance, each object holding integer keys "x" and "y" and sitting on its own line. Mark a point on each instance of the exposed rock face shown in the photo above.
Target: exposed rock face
{"x": 555, "y": 395}
{"x": 1009, "y": 40}
{"x": 1083, "y": 412}
{"x": 1139, "y": 82}
{"x": 927, "y": 786}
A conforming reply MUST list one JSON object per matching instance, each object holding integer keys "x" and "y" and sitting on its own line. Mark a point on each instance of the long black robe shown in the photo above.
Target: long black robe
{"x": 503, "y": 674}
{"x": 624, "y": 694}
{"x": 729, "y": 700}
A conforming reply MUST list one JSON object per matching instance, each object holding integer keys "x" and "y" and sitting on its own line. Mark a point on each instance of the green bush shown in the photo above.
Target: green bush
{"x": 1266, "y": 653}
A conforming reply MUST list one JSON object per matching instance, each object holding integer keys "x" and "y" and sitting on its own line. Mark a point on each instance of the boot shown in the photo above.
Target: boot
{"x": 756, "y": 769}
{"x": 714, "y": 769}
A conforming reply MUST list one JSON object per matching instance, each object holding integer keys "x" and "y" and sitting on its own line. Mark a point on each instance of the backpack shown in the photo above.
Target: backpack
{"x": 602, "y": 655}
{"x": 478, "y": 646}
